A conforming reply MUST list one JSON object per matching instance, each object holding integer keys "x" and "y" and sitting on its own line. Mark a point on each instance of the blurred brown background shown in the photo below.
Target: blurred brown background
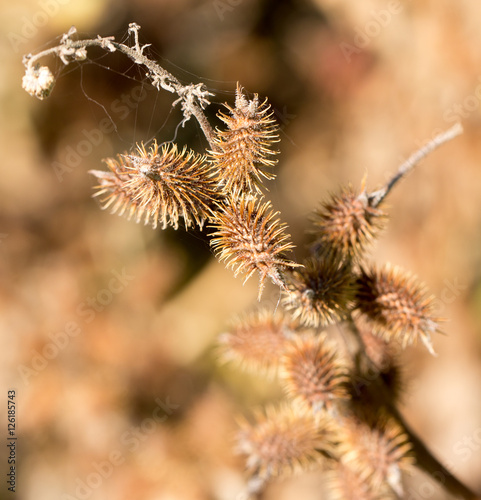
{"x": 108, "y": 327}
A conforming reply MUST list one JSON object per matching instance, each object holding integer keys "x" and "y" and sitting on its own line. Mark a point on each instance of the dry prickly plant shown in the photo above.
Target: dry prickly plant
{"x": 321, "y": 292}
{"x": 346, "y": 224}
{"x": 257, "y": 341}
{"x": 341, "y": 391}
{"x": 158, "y": 186}
{"x": 314, "y": 373}
{"x": 249, "y": 237}
{"x": 243, "y": 150}
{"x": 396, "y": 306}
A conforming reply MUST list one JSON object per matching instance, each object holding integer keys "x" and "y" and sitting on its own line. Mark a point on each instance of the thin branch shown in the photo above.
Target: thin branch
{"x": 425, "y": 460}
{"x": 193, "y": 97}
{"x": 376, "y": 197}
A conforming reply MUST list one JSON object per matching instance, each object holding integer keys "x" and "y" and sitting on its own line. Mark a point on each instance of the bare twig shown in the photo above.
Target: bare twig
{"x": 376, "y": 197}
{"x": 425, "y": 460}
{"x": 193, "y": 98}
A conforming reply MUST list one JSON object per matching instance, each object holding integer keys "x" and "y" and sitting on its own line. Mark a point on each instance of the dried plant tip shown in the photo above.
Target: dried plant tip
{"x": 249, "y": 238}
{"x": 284, "y": 441}
{"x": 258, "y": 340}
{"x": 321, "y": 293}
{"x": 38, "y": 81}
{"x": 347, "y": 224}
{"x": 376, "y": 197}
{"x": 396, "y": 306}
{"x": 314, "y": 373}
{"x": 245, "y": 148}
{"x": 377, "y": 449}
{"x": 158, "y": 186}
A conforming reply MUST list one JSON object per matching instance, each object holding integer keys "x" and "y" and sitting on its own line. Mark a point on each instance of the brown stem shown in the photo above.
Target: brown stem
{"x": 432, "y": 466}
{"x": 425, "y": 460}
{"x": 376, "y": 197}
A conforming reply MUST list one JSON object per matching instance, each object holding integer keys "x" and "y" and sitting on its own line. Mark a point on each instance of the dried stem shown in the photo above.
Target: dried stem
{"x": 425, "y": 460}
{"x": 431, "y": 465}
{"x": 376, "y": 197}
{"x": 193, "y": 98}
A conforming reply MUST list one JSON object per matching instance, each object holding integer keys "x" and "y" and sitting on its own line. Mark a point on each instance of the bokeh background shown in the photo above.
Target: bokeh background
{"x": 108, "y": 328}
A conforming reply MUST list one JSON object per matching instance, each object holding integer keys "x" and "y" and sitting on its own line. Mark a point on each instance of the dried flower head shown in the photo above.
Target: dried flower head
{"x": 250, "y": 238}
{"x": 396, "y": 306}
{"x": 38, "y": 81}
{"x": 159, "y": 186}
{"x": 377, "y": 449}
{"x": 321, "y": 293}
{"x": 313, "y": 372}
{"x": 347, "y": 224}
{"x": 245, "y": 148}
{"x": 258, "y": 340}
{"x": 284, "y": 440}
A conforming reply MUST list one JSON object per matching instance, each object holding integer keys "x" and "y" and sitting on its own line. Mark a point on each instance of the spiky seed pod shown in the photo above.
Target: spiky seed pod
{"x": 158, "y": 186}
{"x": 249, "y": 238}
{"x": 346, "y": 484}
{"x": 258, "y": 340}
{"x": 377, "y": 449}
{"x": 245, "y": 148}
{"x": 321, "y": 292}
{"x": 396, "y": 306}
{"x": 346, "y": 224}
{"x": 313, "y": 372}
{"x": 284, "y": 440}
